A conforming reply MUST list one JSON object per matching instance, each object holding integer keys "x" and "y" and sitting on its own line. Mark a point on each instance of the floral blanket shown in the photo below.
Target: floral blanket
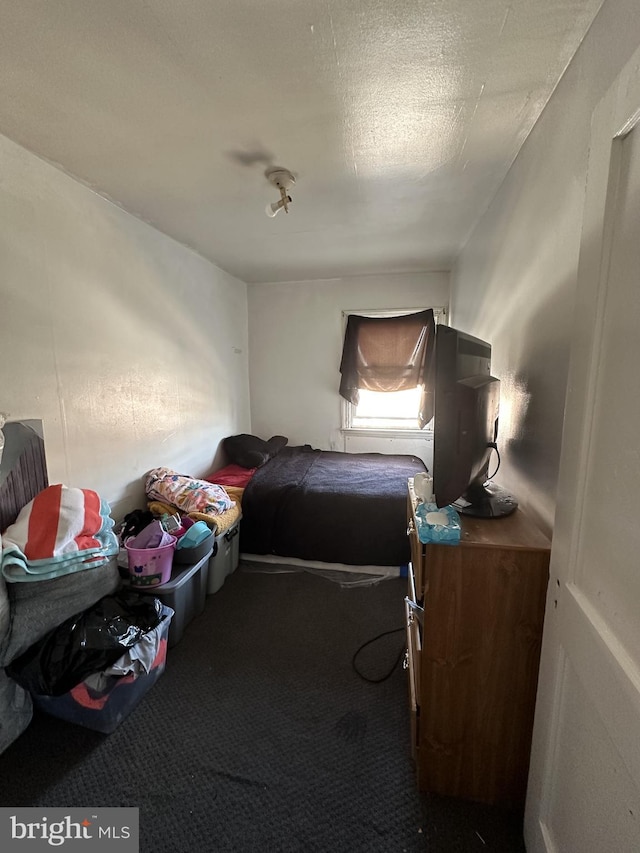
{"x": 186, "y": 493}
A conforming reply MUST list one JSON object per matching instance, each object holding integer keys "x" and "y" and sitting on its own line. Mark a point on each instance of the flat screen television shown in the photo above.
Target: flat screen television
{"x": 465, "y": 430}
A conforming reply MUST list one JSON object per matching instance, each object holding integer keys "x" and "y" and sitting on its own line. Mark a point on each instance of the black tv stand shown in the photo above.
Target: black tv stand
{"x": 487, "y": 501}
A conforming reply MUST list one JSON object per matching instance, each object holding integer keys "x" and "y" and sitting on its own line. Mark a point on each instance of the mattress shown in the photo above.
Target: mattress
{"x": 329, "y": 506}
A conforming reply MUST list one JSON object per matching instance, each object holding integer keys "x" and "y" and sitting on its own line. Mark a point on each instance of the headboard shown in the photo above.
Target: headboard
{"x": 23, "y": 471}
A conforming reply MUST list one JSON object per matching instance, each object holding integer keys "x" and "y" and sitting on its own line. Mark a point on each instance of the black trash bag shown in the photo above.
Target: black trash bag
{"x": 86, "y": 643}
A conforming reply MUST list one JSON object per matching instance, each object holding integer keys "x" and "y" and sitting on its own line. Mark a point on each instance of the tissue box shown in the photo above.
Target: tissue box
{"x": 441, "y": 525}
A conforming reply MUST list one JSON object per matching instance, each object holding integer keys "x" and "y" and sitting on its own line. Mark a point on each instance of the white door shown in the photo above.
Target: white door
{"x": 584, "y": 784}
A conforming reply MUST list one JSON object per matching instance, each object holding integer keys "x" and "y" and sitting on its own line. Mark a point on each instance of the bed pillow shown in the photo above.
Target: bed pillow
{"x": 249, "y": 451}
{"x": 275, "y": 444}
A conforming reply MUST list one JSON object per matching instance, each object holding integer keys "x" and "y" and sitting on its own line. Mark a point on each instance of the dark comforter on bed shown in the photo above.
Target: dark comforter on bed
{"x": 329, "y": 506}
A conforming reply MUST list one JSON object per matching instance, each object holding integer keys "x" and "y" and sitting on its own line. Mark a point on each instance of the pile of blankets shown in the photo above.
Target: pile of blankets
{"x": 201, "y": 500}
{"x": 62, "y": 530}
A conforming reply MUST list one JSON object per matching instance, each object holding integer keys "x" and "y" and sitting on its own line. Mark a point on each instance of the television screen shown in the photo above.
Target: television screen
{"x": 465, "y": 428}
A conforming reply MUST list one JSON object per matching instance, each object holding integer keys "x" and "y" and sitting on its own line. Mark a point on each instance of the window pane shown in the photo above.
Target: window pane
{"x": 394, "y": 410}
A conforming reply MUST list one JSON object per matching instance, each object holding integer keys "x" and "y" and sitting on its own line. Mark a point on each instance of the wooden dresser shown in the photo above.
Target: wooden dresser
{"x": 473, "y": 655}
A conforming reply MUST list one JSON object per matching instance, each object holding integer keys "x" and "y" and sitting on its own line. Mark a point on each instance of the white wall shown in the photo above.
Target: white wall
{"x": 131, "y": 348}
{"x": 515, "y": 281}
{"x": 295, "y": 333}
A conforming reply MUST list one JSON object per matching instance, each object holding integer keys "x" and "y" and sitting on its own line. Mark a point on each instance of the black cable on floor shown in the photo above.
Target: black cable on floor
{"x": 368, "y": 643}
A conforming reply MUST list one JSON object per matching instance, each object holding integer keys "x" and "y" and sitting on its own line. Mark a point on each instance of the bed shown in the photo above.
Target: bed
{"x": 329, "y": 507}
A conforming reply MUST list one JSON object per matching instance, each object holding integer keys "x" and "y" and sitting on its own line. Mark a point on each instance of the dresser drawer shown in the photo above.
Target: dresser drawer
{"x": 412, "y": 661}
{"x": 417, "y": 560}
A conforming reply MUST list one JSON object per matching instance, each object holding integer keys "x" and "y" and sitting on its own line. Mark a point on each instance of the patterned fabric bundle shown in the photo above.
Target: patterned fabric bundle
{"x": 186, "y": 493}
{"x": 62, "y": 530}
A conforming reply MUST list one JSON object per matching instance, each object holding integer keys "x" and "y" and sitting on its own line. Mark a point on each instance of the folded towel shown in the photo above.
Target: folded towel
{"x": 58, "y": 521}
{"x": 16, "y": 571}
{"x": 62, "y": 530}
{"x": 218, "y": 523}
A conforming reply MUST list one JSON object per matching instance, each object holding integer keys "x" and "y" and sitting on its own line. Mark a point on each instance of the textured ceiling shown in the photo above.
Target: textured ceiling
{"x": 399, "y": 118}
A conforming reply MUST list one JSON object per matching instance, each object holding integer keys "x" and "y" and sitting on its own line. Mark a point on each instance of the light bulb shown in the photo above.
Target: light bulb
{"x": 272, "y": 209}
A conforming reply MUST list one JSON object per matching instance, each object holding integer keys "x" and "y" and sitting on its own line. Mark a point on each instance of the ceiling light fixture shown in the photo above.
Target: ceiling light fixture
{"x": 283, "y": 180}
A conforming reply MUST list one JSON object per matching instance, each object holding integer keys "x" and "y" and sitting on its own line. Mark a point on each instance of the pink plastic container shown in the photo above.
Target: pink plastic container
{"x": 150, "y": 566}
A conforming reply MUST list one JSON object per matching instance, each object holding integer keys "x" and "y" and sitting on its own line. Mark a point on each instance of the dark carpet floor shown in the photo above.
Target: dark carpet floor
{"x": 259, "y": 736}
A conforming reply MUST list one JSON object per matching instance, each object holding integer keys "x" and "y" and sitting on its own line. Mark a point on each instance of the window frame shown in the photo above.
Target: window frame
{"x": 347, "y": 409}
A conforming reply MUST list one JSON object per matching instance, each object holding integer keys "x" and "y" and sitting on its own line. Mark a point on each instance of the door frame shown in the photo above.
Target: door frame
{"x": 574, "y": 630}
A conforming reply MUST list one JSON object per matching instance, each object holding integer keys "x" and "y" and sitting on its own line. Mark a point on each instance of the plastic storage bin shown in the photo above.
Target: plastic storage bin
{"x": 225, "y": 557}
{"x": 189, "y": 556}
{"x": 185, "y": 594}
{"x": 104, "y": 710}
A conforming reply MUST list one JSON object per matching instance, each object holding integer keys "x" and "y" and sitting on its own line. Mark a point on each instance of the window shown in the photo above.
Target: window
{"x": 385, "y": 411}
{"x": 391, "y": 410}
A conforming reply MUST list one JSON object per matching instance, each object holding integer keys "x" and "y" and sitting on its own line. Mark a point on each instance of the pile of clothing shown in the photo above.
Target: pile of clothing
{"x": 200, "y": 500}
{"x": 62, "y": 530}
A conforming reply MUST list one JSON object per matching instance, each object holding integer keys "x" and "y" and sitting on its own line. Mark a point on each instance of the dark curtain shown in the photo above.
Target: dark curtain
{"x": 389, "y": 354}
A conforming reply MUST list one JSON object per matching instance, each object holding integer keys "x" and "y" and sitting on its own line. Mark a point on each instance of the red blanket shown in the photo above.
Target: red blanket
{"x": 231, "y": 475}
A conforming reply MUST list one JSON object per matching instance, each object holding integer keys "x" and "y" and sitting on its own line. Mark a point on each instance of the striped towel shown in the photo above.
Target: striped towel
{"x": 61, "y": 530}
